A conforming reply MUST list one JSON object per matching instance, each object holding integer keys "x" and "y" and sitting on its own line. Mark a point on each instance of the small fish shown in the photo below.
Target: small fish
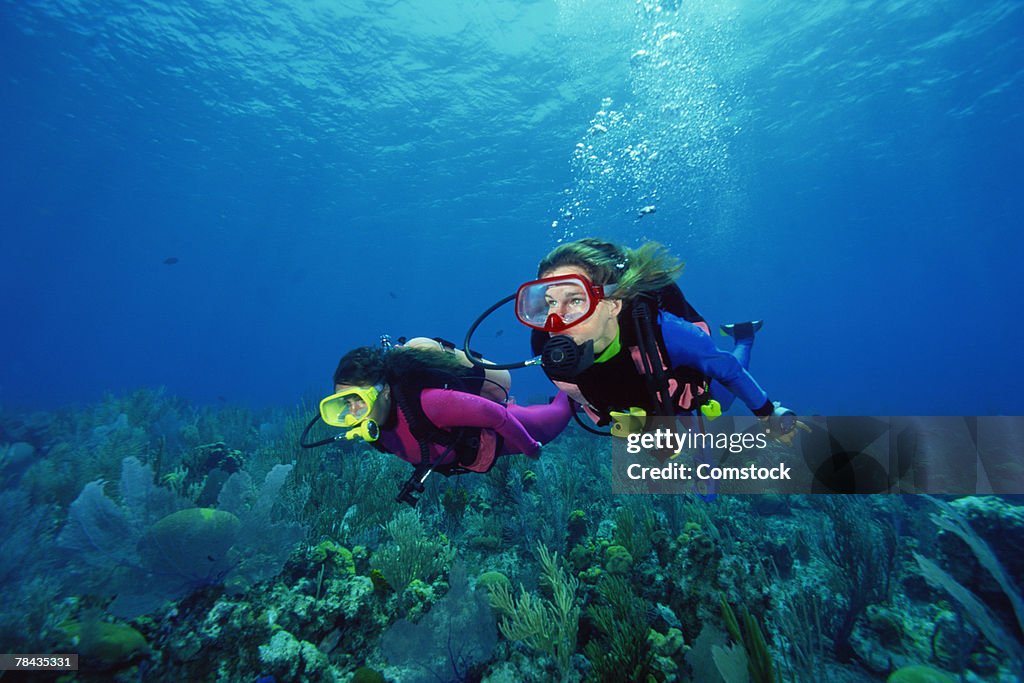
{"x": 170, "y": 260}
{"x": 499, "y": 333}
{"x": 392, "y": 295}
{"x": 646, "y": 210}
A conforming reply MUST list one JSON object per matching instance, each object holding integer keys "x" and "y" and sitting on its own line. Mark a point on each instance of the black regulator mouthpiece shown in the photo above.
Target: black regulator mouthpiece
{"x": 563, "y": 359}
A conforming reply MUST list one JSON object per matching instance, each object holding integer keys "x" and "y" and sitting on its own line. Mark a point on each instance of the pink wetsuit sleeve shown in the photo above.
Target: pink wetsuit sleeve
{"x": 544, "y": 422}
{"x": 449, "y": 409}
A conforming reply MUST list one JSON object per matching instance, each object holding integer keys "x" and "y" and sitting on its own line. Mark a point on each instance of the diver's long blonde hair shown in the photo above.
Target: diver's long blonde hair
{"x": 636, "y": 271}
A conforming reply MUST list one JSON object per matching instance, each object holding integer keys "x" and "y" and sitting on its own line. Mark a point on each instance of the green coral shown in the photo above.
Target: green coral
{"x": 321, "y": 551}
{"x": 697, "y": 544}
{"x": 580, "y": 556}
{"x": 546, "y": 625}
{"x": 365, "y": 674}
{"x": 380, "y": 584}
{"x": 489, "y": 579}
{"x": 919, "y": 673}
{"x": 193, "y": 543}
{"x": 624, "y": 650}
{"x": 108, "y": 643}
{"x": 667, "y": 649}
{"x": 633, "y": 531}
{"x": 666, "y": 645}
{"x": 411, "y": 554}
{"x": 750, "y": 636}
{"x": 577, "y": 527}
{"x": 344, "y": 561}
{"x": 617, "y": 560}
{"x": 339, "y": 556}
{"x": 421, "y": 592}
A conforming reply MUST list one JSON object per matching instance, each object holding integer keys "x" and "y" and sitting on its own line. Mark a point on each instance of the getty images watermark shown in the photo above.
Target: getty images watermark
{"x": 668, "y": 441}
{"x": 951, "y": 455}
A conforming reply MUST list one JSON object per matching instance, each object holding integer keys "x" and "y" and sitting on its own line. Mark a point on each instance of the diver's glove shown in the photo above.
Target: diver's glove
{"x": 783, "y": 419}
{"x": 777, "y": 418}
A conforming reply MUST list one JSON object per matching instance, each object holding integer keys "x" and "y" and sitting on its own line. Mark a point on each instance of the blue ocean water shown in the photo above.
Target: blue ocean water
{"x": 222, "y": 198}
{"x": 327, "y": 172}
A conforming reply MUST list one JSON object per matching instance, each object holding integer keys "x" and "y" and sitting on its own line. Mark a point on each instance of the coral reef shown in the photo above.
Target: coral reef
{"x": 202, "y": 544}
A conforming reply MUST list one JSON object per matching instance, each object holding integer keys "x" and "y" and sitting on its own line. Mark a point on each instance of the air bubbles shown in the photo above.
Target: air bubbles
{"x": 671, "y": 130}
{"x": 671, "y": 35}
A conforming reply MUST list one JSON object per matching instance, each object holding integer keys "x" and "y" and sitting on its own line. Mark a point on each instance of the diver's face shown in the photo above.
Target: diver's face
{"x": 567, "y": 301}
{"x": 603, "y": 324}
{"x": 357, "y": 407}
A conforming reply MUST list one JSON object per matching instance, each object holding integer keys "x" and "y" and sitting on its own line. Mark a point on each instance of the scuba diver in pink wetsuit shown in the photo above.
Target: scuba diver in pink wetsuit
{"x": 429, "y": 406}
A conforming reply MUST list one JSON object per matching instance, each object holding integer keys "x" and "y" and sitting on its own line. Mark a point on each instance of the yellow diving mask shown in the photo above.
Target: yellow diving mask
{"x": 350, "y": 409}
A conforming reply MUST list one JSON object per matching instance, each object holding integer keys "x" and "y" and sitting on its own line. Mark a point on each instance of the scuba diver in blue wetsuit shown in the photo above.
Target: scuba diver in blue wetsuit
{"x": 614, "y": 331}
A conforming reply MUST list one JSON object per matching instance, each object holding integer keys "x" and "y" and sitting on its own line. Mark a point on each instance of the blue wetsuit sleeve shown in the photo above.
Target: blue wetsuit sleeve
{"x": 689, "y": 346}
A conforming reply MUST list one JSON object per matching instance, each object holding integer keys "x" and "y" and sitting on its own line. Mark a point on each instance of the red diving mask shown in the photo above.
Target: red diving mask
{"x": 554, "y": 304}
